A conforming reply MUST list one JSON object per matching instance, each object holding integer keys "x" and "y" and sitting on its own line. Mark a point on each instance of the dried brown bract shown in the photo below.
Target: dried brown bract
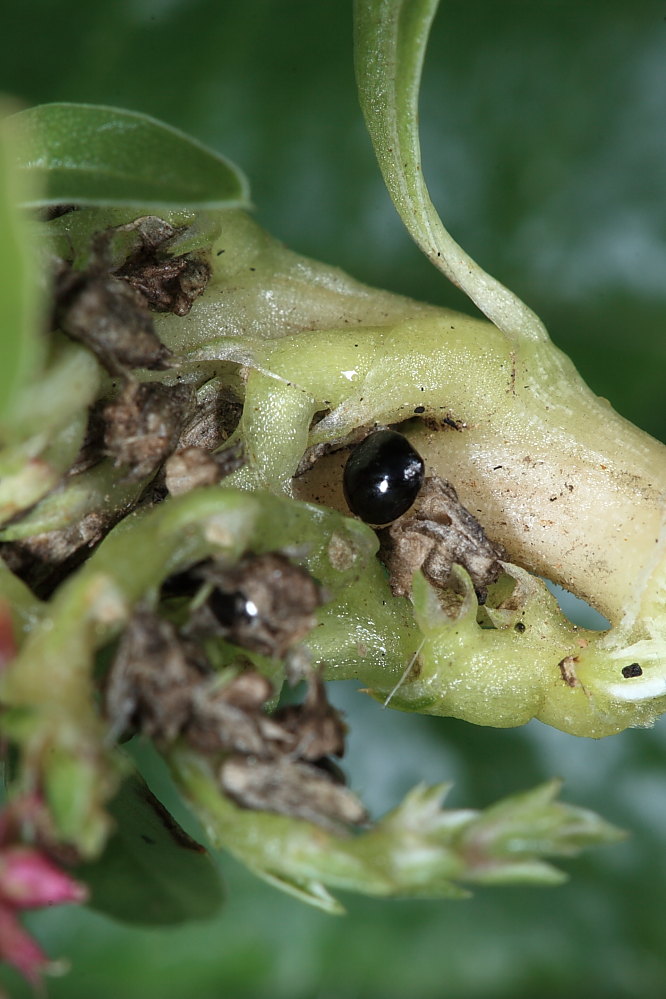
{"x": 107, "y": 306}
{"x": 161, "y": 685}
{"x": 104, "y": 313}
{"x": 195, "y": 466}
{"x": 264, "y": 603}
{"x": 316, "y": 726}
{"x": 44, "y": 560}
{"x": 92, "y": 449}
{"x": 139, "y": 429}
{"x": 165, "y": 283}
{"x": 291, "y": 787}
{"x": 213, "y": 419}
{"x": 437, "y": 533}
{"x": 143, "y": 425}
{"x": 150, "y": 685}
{"x": 228, "y": 716}
{"x": 168, "y": 285}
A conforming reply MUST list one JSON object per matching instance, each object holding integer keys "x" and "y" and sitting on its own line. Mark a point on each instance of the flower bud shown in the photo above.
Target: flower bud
{"x": 28, "y": 880}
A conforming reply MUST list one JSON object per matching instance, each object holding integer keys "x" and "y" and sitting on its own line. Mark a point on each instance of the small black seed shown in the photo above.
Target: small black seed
{"x": 382, "y": 477}
{"x": 634, "y": 669}
{"x": 520, "y": 627}
{"x": 229, "y": 607}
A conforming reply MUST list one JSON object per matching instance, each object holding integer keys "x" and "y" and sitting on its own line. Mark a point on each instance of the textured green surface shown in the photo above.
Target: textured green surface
{"x": 545, "y": 147}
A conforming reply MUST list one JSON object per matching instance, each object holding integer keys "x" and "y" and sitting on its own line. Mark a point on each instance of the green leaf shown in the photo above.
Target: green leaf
{"x": 390, "y": 41}
{"x": 94, "y": 155}
{"x": 18, "y": 327}
{"x": 151, "y": 871}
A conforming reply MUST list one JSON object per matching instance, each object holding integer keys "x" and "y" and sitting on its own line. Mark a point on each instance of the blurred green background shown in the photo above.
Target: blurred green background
{"x": 545, "y": 146}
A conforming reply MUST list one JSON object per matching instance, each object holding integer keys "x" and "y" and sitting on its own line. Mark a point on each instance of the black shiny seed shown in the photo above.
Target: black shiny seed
{"x": 382, "y": 477}
{"x": 632, "y": 670}
{"x": 229, "y": 608}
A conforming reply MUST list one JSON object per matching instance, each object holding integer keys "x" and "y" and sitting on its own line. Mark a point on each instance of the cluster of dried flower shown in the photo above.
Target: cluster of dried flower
{"x": 161, "y": 684}
{"x": 107, "y": 307}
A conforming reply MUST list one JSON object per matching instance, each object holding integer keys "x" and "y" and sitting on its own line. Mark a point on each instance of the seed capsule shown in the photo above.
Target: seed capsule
{"x": 382, "y": 477}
